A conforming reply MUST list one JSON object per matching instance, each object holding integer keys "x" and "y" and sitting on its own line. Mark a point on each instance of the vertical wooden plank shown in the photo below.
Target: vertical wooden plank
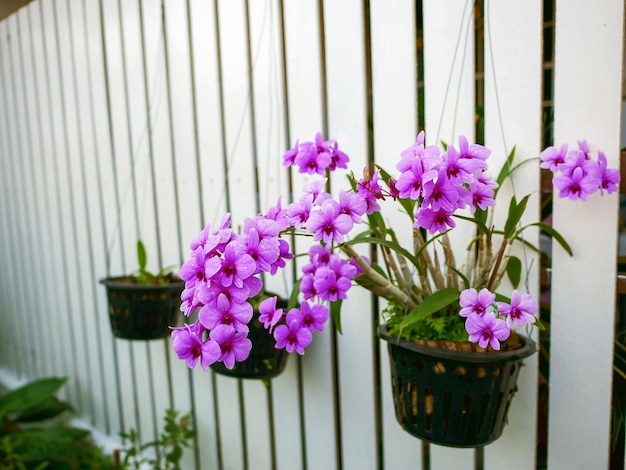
{"x": 394, "y": 71}
{"x": 512, "y": 62}
{"x": 588, "y": 42}
{"x": 449, "y": 109}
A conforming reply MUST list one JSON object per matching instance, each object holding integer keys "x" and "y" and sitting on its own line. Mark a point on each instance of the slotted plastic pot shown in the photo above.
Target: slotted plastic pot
{"x": 453, "y": 398}
{"x": 264, "y": 361}
{"x": 140, "y": 311}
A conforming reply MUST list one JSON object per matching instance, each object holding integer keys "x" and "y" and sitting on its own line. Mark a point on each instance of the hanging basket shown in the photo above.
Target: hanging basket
{"x": 450, "y": 397}
{"x": 142, "y": 311}
{"x": 264, "y": 361}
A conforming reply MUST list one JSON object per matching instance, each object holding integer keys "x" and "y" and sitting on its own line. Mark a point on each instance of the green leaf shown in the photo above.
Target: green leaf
{"x": 552, "y": 233}
{"x": 45, "y": 410}
{"x": 31, "y": 394}
{"x": 539, "y": 325}
{"x": 466, "y": 282}
{"x": 515, "y": 214}
{"x": 506, "y": 169}
{"x": 379, "y": 241}
{"x": 431, "y": 304}
{"x": 514, "y": 270}
{"x": 335, "y": 312}
{"x": 175, "y": 455}
{"x": 142, "y": 257}
{"x": 293, "y": 298}
{"x": 479, "y": 223}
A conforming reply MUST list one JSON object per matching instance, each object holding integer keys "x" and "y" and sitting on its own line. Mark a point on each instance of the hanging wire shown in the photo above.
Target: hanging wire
{"x": 156, "y": 98}
{"x": 504, "y": 140}
{"x": 449, "y": 82}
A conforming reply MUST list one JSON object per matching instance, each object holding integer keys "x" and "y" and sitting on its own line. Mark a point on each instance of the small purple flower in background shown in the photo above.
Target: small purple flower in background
{"x": 226, "y": 312}
{"x": 235, "y": 267}
{"x": 300, "y": 211}
{"x": 487, "y": 330}
{"x": 338, "y": 159}
{"x": 434, "y": 221}
{"x": 577, "y": 185}
{"x": 289, "y": 156}
{"x": 234, "y": 346}
{"x": 263, "y": 251}
{"x": 609, "y": 177}
{"x": 522, "y": 309}
{"x": 552, "y": 158}
{"x": 441, "y": 194}
{"x": 269, "y": 314}
{"x": 292, "y": 337}
{"x": 577, "y": 175}
{"x": 370, "y": 190}
{"x": 410, "y": 183}
{"x": 482, "y": 196}
{"x": 308, "y": 160}
{"x": 313, "y": 316}
{"x": 188, "y": 345}
{"x": 329, "y": 286}
{"x": 316, "y": 157}
{"x": 327, "y": 223}
{"x": 473, "y": 302}
{"x": 472, "y": 156}
{"x": 352, "y": 204}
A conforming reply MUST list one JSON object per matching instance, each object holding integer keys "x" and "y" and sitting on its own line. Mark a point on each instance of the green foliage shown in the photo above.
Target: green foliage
{"x": 436, "y": 302}
{"x": 436, "y": 327}
{"x": 178, "y": 434}
{"x": 143, "y": 276}
{"x": 33, "y": 435}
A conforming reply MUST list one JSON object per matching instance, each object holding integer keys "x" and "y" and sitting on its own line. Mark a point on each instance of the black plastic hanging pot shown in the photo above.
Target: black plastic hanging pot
{"x": 453, "y": 398}
{"x": 142, "y": 311}
{"x": 264, "y": 361}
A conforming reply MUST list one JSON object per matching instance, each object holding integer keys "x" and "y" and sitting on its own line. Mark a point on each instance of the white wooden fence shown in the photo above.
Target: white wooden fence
{"x": 147, "y": 119}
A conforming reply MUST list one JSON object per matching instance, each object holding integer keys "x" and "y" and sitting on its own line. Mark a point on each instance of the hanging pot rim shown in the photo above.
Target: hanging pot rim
{"x": 527, "y": 348}
{"x": 115, "y": 282}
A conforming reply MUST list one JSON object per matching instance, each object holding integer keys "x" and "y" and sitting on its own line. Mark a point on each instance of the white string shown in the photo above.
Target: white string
{"x": 454, "y": 61}
{"x": 502, "y": 133}
{"x": 157, "y": 100}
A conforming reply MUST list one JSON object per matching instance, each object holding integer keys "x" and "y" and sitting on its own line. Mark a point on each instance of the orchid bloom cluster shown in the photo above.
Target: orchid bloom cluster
{"x": 223, "y": 274}
{"x": 577, "y": 174}
{"x": 444, "y": 183}
{"x": 488, "y": 322}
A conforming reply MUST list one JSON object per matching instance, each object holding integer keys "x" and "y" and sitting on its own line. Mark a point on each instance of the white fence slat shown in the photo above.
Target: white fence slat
{"x": 395, "y": 128}
{"x": 10, "y": 227}
{"x": 347, "y": 122}
{"x": 583, "y": 287}
{"x": 449, "y": 111}
{"x": 303, "y": 62}
{"x": 511, "y": 52}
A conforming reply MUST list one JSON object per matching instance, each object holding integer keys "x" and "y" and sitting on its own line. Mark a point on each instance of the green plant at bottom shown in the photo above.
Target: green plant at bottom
{"x": 178, "y": 434}
{"x": 33, "y": 433}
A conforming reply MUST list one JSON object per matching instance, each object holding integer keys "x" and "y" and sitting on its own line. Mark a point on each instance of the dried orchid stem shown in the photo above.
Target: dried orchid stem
{"x": 383, "y": 287}
{"x": 416, "y": 292}
{"x": 496, "y": 267}
{"x": 452, "y": 278}
{"x": 391, "y": 264}
{"x": 438, "y": 279}
{"x": 503, "y": 266}
{"x": 418, "y": 242}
